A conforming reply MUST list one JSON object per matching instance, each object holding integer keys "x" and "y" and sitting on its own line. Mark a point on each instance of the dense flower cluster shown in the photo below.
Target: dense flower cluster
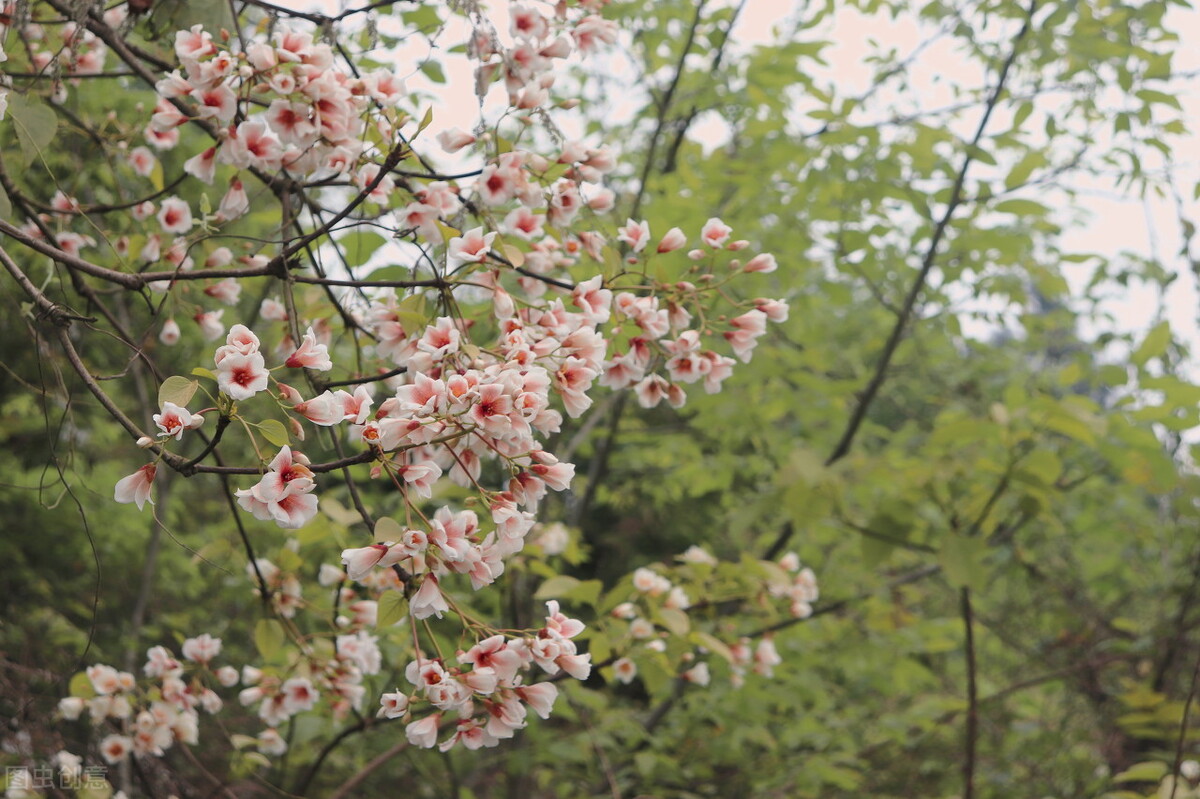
{"x": 539, "y": 307}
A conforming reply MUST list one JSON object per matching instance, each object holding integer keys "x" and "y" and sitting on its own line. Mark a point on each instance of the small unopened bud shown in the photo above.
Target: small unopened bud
{"x": 740, "y": 244}
{"x": 697, "y": 255}
{"x": 145, "y": 441}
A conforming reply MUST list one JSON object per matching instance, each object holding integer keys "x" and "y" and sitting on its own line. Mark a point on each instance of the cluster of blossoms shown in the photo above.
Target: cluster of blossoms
{"x": 492, "y": 699}
{"x": 153, "y": 715}
{"x": 642, "y": 626}
{"x": 475, "y": 392}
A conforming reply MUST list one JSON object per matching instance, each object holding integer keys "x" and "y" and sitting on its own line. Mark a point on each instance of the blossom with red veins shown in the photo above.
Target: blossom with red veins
{"x": 593, "y": 31}
{"x": 440, "y": 339}
{"x": 747, "y": 329}
{"x": 273, "y": 310}
{"x": 201, "y": 649}
{"x": 471, "y": 734}
{"x": 491, "y": 409}
{"x": 539, "y": 696}
{"x": 142, "y": 161}
{"x": 622, "y": 371}
{"x": 310, "y": 354}
{"x": 175, "y": 216}
{"x": 495, "y": 654}
{"x": 359, "y": 562}
{"x": 471, "y": 247}
{"x": 721, "y": 368}
{"x": 674, "y": 240}
{"x": 572, "y": 380}
{"x": 161, "y": 139}
{"x": 776, "y": 310}
{"x": 428, "y": 600}
{"x": 203, "y": 165}
{"x": 392, "y": 705}
{"x": 635, "y": 234}
{"x": 423, "y": 732}
{"x": 453, "y": 140}
{"x": 651, "y": 390}
{"x": 426, "y": 396}
{"x": 240, "y": 341}
{"x": 325, "y": 410}
{"x": 524, "y": 223}
{"x": 217, "y": 102}
{"x": 764, "y": 262}
{"x": 555, "y": 473}
{"x": 194, "y": 44}
{"x": 252, "y": 144}
{"x": 136, "y": 487}
{"x": 235, "y": 203}
{"x": 165, "y": 121}
{"x": 564, "y": 203}
{"x": 594, "y": 300}
{"x": 116, "y": 748}
{"x": 227, "y": 291}
{"x": 210, "y": 324}
{"x": 173, "y": 420}
{"x": 284, "y": 494}
{"x": 421, "y": 476}
{"x": 766, "y": 658}
{"x": 715, "y": 232}
{"x": 291, "y": 121}
{"x": 242, "y": 376}
{"x": 298, "y": 695}
{"x": 505, "y": 715}
{"x": 382, "y": 190}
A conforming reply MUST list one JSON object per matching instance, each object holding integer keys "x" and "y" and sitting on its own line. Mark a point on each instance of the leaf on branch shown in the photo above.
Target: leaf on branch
{"x": 274, "y": 431}
{"x": 555, "y": 587}
{"x": 200, "y": 371}
{"x": 268, "y": 637}
{"x": 433, "y": 70}
{"x": 387, "y": 530}
{"x": 514, "y": 255}
{"x": 178, "y": 390}
{"x": 35, "y": 123}
{"x": 81, "y": 686}
{"x": 961, "y": 558}
{"x": 392, "y": 606}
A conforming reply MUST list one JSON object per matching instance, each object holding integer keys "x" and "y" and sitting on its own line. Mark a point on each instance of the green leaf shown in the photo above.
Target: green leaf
{"x": 426, "y": 119}
{"x": 5, "y": 206}
{"x": 177, "y": 389}
{"x": 556, "y": 587}
{"x": 81, "y": 686}
{"x": 35, "y": 123}
{"x": 392, "y": 607}
{"x": 961, "y": 558}
{"x": 274, "y": 431}
{"x": 1154, "y": 345}
{"x": 268, "y": 637}
{"x": 1148, "y": 771}
{"x": 388, "y": 529}
{"x": 1021, "y": 208}
{"x": 712, "y": 644}
{"x": 200, "y": 371}
{"x": 675, "y": 621}
{"x": 433, "y": 71}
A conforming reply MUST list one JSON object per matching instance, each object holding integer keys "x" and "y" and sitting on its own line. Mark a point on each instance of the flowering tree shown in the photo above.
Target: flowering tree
{"x": 347, "y": 343}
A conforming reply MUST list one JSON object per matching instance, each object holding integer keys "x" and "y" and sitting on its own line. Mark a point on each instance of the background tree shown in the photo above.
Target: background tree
{"x": 1004, "y": 524}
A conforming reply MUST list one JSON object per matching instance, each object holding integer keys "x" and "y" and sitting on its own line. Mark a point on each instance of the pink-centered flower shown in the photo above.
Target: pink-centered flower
{"x": 136, "y": 487}
{"x": 242, "y": 376}
{"x": 310, "y": 354}
{"x": 173, "y": 420}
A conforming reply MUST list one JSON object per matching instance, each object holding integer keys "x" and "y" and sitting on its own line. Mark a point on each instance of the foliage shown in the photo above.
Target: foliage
{"x": 1003, "y": 522}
